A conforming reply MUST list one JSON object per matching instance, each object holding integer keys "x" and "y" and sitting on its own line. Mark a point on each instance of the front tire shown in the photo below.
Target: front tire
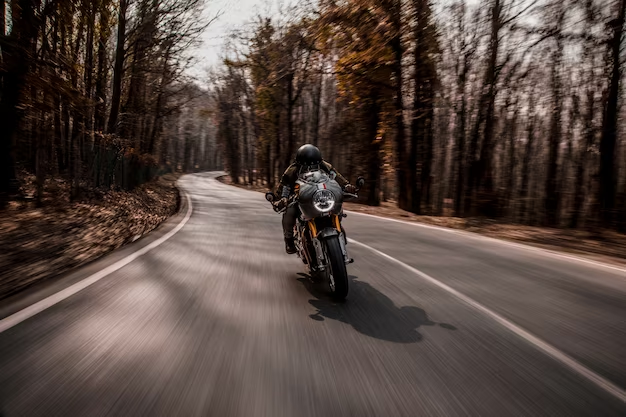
{"x": 338, "y": 272}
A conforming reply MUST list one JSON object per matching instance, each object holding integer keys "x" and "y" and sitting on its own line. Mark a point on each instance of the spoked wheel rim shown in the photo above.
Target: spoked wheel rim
{"x": 329, "y": 268}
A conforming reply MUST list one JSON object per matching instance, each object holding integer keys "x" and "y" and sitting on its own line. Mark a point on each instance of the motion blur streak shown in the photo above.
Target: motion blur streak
{"x": 47, "y": 302}
{"x": 600, "y": 381}
{"x": 219, "y": 321}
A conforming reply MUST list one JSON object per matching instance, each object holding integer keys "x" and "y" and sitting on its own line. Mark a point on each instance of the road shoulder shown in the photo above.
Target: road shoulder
{"x": 54, "y": 284}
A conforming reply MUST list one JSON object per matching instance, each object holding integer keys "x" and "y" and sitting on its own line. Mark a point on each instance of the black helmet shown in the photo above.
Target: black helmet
{"x": 308, "y": 155}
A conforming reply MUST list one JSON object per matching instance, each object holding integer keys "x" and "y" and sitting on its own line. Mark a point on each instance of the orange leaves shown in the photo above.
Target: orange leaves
{"x": 360, "y": 39}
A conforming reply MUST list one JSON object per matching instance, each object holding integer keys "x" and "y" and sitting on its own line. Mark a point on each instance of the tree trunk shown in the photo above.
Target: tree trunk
{"x": 102, "y": 69}
{"x": 373, "y": 155}
{"x": 608, "y": 155}
{"x": 3, "y": 16}
{"x": 158, "y": 107}
{"x": 423, "y": 101}
{"x": 88, "y": 76}
{"x": 315, "y": 123}
{"x": 16, "y": 62}
{"x": 480, "y": 198}
{"x": 459, "y": 153}
{"x": 119, "y": 68}
{"x": 402, "y": 167}
{"x": 246, "y": 149}
{"x": 487, "y": 201}
{"x": 427, "y": 159}
{"x": 510, "y": 184}
{"x": 131, "y": 120}
{"x": 552, "y": 198}
{"x": 528, "y": 155}
{"x": 580, "y": 191}
{"x": 581, "y": 165}
{"x": 289, "y": 154}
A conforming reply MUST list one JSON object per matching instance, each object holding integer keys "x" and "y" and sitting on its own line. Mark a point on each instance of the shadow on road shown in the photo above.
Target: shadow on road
{"x": 371, "y": 312}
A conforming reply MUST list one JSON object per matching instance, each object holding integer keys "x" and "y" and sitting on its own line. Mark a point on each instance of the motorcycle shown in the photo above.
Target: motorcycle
{"x": 319, "y": 238}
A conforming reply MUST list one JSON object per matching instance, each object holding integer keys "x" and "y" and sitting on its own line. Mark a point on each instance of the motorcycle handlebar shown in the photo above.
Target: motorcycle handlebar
{"x": 292, "y": 201}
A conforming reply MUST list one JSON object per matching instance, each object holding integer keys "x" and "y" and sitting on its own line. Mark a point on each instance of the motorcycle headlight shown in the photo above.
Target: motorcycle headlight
{"x": 324, "y": 200}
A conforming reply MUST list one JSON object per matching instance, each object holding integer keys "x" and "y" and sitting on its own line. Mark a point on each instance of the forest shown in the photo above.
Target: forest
{"x": 95, "y": 93}
{"x": 504, "y": 109}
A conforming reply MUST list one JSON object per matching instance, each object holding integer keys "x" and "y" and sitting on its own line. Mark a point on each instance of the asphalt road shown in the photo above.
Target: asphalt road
{"x": 214, "y": 319}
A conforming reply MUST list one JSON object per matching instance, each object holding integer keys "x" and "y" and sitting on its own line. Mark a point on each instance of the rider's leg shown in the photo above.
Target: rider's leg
{"x": 289, "y": 221}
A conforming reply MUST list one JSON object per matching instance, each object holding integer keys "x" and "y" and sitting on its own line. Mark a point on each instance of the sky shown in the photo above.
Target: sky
{"x": 232, "y": 15}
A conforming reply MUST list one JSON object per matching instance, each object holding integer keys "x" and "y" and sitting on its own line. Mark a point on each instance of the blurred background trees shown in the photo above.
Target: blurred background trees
{"x": 94, "y": 91}
{"x": 506, "y": 109}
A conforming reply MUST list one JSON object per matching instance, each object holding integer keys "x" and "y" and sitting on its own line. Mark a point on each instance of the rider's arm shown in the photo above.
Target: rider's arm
{"x": 339, "y": 178}
{"x": 285, "y": 186}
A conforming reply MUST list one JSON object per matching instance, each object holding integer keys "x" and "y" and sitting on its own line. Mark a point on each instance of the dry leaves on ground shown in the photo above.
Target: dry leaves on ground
{"x": 39, "y": 243}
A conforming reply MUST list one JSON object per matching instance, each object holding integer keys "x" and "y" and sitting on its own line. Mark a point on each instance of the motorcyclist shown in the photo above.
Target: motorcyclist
{"x": 307, "y": 158}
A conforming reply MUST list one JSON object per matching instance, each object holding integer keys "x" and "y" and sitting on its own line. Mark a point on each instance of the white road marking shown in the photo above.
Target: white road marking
{"x": 56, "y": 298}
{"x": 545, "y": 252}
{"x": 545, "y": 347}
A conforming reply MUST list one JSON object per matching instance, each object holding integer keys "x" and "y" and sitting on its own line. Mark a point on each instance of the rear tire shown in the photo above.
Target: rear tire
{"x": 337, "y": 268}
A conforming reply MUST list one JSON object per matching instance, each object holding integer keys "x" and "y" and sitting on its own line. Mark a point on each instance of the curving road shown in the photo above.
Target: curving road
{"x": 208, "y": 317}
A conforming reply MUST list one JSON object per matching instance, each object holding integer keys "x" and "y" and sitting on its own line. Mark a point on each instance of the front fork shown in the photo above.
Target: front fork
{"x": 320, "y": 254}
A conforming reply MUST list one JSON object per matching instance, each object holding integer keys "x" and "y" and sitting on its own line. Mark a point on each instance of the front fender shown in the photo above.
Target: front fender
{"x": 327, "y": 232}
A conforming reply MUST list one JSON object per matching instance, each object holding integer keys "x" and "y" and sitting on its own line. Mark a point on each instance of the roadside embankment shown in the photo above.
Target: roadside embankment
{"x": 39, "y": 243}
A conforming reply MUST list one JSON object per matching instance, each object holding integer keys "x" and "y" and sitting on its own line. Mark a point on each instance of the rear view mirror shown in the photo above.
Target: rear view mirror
{"x": 360, "y": 182}
{"x": 269, "y": 196}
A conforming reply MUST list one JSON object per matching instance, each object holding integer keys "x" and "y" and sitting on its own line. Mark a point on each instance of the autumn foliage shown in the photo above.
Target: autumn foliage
{"x": 504, "y": 109}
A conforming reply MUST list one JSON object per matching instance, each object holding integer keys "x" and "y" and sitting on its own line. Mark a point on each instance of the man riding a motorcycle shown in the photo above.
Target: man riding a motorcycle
{"x": 308, "y": 157}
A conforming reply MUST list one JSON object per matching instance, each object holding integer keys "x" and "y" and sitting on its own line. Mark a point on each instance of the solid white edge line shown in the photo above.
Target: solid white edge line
{"x": 545, "y": 252}
{"x": 39, "y": 306}
{"x": 545, "y": 347}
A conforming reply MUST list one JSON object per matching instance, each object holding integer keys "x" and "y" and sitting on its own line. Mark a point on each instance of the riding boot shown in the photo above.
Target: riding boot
{"x": 290, "y": 246}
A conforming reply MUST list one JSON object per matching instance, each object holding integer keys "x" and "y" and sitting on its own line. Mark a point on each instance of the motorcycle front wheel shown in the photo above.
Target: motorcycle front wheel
{"x": 338, "y": 274}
